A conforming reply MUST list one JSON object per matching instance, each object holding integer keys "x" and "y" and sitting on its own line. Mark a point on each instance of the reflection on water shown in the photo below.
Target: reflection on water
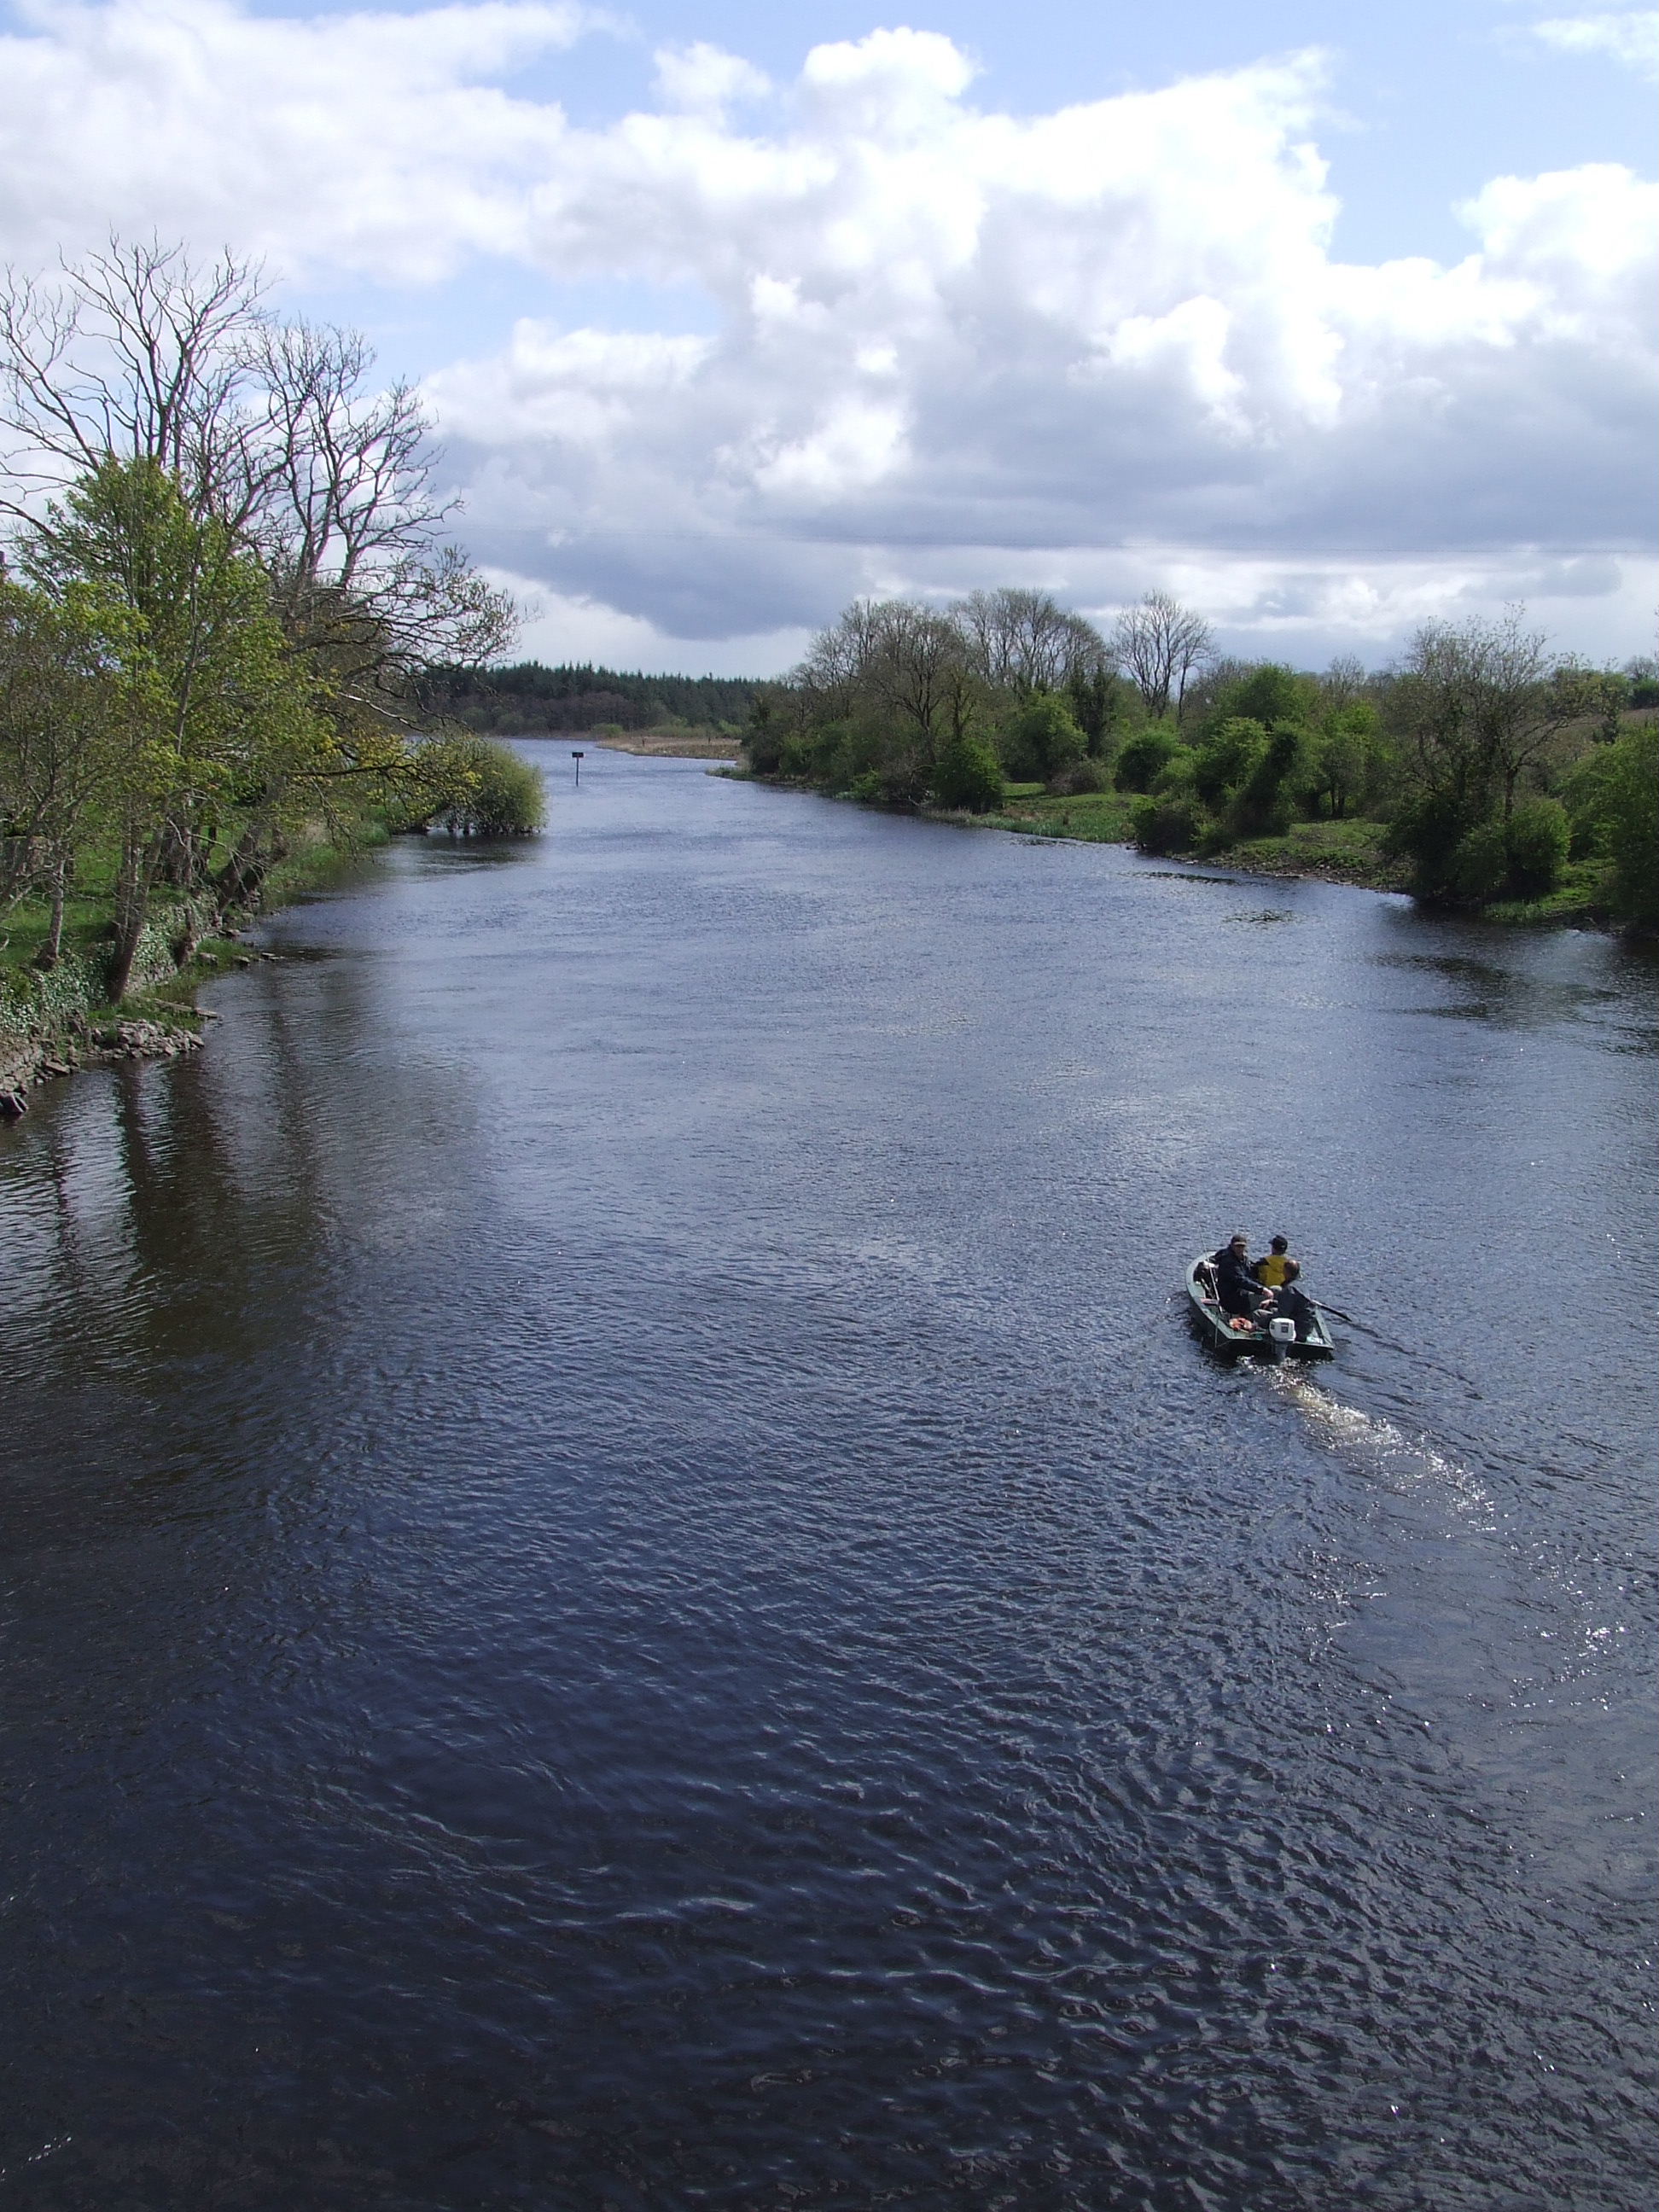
{"x": 1529, "y": 995}
{"x": 624, "y": 1587}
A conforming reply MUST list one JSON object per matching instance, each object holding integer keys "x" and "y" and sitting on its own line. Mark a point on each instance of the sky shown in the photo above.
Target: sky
{"x": 1331, "y": 321}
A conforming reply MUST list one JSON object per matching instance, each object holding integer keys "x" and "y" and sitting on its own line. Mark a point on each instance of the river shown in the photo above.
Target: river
{"x": 623, "y": 1586}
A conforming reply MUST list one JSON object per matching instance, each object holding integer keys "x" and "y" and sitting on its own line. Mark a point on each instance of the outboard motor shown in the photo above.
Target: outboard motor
{"x": 1281, "y": 1333}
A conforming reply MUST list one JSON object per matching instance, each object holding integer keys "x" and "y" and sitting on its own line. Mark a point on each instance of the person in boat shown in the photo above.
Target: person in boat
{"x": 1236, "y": 1286}
{"x": 1278, "y": 1268}
{"x": 1277, "y": 1274}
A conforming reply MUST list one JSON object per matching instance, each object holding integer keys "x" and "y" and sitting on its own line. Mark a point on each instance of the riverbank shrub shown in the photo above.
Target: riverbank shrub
{"x": 1612, "y": 804}
{"x": 969, "y": 775}
{"x": 1082, "y": 780}
{"x": 1173, "y": 823}
{"x": 1143, "y": 758}
{"x": 476, "y": 787}
{"x": 1039, "y": 738}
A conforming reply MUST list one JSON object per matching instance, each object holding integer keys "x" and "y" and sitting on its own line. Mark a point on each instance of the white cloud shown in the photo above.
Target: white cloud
{"x": 1631, "y": 37}
{"x": 366, "y": 142}
{"x": 562, "y": 628}
{"x": 701, "y": 78}
{"x": 1100, "y": 348}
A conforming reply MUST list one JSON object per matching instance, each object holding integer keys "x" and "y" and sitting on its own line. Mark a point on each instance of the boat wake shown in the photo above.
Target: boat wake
{"x": 1381, "y": 1448}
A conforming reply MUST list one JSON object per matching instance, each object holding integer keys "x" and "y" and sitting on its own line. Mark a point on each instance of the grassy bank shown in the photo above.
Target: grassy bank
{"x": 52, "y": 1021}
{"x": 1339, "y": 852}
{"x": 660, "y": 744}
{"x": 1335, "y": 852}
{"x": 1332, "y": 851}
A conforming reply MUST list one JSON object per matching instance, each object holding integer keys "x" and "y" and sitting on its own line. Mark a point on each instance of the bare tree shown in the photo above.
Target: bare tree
{"x": 136, "y": 353}
{"x": 348, "y": 524}
{"x": 274, "y": 430}
{"x": 919, "y": 668}
{"x": 899, "y": 664}
{"x": 1480, "y": 703}
{"x": 1344, "y": 681}
{"x": 891, "y": 656}
{"x": 1161, "y": 644}
{"x": 1026, "y": 640}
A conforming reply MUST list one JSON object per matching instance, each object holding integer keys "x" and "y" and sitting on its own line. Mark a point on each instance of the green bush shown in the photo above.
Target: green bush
{"x": 763, "y": 739}
{"x": 1264, "y": 805}
{"x": 1536, "y": 840}
{"x": 1520, "y": 858}
{"x": 1172, "y": 824}
{"x": 1142, "y": 758}
{"x": 1082, "y": 778}
{"x": 1228, "y": 757}
{"x": 1040, "y": 738}
{"x": 476, "y": 787}
{"x": 1481, "y": 863}
{"x": 1176, "y": 774}
{"x": 1430, "y": 831}
{"x": 969, "y": 774}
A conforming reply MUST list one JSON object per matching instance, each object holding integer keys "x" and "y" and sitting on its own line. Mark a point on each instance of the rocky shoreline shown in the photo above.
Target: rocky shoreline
{"x": 96, "y": 1046}
{"x": 55, "y": 1022}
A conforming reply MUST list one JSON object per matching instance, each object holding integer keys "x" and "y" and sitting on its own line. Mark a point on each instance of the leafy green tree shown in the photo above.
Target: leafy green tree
{"x": 767, "y": 731}
{"x": 1039, "y": 738}
{"x": 1344, "y": 760}
{"x": 1270, "y": 694}
{"x": 229, "y": 717}
{"x": 473, "y": 787}
{"x": 969, "y": 774}
{"x": 1142, "y": 758}
{"x": 68, "y": 718}
{"x": 1478, "y": 706}
{"x": 1096, "y": 700}
{"x": 1633, "y": 825}
{"x": 1613, "y": 801}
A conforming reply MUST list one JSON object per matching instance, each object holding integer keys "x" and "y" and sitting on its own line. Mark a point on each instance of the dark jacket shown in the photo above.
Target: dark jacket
{"x": 1236, "y": 1286}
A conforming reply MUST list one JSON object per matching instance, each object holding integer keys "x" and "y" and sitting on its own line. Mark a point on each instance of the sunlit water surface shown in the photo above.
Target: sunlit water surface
{"x": 623, "y": 1586}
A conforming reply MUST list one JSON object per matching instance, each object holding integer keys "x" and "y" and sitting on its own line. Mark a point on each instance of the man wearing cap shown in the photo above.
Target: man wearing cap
{"x": 1236, "y": 1286}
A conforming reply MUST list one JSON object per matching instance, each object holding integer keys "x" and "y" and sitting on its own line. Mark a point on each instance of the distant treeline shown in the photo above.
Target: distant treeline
{"x": 1493, "y": 767}
{"x": 527, "y": 697}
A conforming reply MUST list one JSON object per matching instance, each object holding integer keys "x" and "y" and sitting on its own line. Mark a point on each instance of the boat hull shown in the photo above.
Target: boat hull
{"x": 1215, "y": 1330}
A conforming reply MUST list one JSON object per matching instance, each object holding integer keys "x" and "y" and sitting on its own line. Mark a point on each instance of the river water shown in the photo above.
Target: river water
{"x": 624, "y": 1589}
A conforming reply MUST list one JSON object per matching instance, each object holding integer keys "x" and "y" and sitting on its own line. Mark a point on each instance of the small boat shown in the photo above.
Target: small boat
{"x": 1270, "y": 1338}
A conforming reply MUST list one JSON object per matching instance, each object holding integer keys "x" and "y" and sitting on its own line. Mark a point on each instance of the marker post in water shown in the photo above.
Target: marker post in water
{"x": 578, "y": 759}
